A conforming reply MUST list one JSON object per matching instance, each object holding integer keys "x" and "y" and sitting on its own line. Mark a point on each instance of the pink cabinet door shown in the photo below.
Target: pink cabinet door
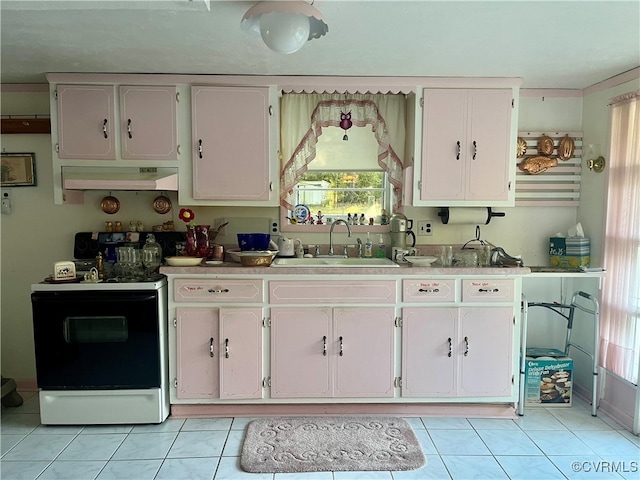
{"x": 241, "y": 353}
{"x": 488, "y": 144}
{"x": 197, "y": 352}
{"x": 443, "y": 154}
{"x": 429, "y": 364}
{"x": 230, "y": 128}
{"x": 86, "y": 122}
{"x": 148, "y": 123}
{"x": 363, "y": 348}
{"x": 485, "y": 351}
{"x": 300, "y": 360}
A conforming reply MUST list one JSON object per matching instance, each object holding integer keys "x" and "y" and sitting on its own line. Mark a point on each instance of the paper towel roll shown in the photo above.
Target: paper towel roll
{"x": 468, "y": 215}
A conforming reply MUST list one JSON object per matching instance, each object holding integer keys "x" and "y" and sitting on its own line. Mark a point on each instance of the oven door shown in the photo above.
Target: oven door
{"x": 96, "y": 339}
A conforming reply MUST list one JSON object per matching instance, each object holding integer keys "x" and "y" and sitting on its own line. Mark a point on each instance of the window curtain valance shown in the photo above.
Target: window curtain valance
{"x": 303, "y": 116}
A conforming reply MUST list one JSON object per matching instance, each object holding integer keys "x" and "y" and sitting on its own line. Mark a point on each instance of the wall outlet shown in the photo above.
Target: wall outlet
{"x": 274, "y": 226}
{"x": 425, "y": 227}
{"x": 6, "y": 203}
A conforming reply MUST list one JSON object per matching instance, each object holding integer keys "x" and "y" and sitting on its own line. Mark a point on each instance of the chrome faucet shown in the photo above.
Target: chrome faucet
{"x": 331, "y": 233}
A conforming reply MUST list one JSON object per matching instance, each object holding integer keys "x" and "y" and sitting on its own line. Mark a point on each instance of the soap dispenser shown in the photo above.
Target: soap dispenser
{"x": 381, "y": 253}
{"x": 368, "y": 247}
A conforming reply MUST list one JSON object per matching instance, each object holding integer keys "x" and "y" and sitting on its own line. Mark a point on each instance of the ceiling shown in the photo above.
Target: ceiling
{"x": 549, "y": 44}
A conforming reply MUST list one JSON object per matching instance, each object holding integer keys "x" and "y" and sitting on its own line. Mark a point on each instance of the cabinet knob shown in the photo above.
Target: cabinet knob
{"x": 211, "y": 347}
{"x": 104, "y": 128}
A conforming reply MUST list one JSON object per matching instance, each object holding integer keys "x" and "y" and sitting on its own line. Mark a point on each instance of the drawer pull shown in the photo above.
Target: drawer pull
{"x": 129, "y": 128}
{"x": 475, "y": 149}
{"x": 104, "y": 129}
{"x": 200, "y": 148}
{"x": 488, "y": 290}
{"x": 211, "y": 347}
{"x": 466, "y": 346}
{"x": 429, "y": 290}
{"x": 226, "y": 348}
{"x": 450, "y": 348}
{"x": 458, "y": 150}
{"x": 324, "y": 345}
{"x": 341, "y": 347}
{"x": 218, "y": 290}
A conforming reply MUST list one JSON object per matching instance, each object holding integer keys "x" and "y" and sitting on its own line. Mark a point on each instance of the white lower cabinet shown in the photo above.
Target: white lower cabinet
{"x": 219, "y": 352}
{"x": 332, "y": 352}
{"x": 457, "y": 352}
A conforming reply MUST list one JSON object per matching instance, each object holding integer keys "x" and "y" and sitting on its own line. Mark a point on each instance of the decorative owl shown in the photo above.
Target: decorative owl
{"x": 345, "y": 123}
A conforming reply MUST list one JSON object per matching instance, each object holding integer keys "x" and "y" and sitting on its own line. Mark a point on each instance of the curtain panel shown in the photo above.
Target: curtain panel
{"x": 620, "y": 316}
{"x": 303, "y": 116}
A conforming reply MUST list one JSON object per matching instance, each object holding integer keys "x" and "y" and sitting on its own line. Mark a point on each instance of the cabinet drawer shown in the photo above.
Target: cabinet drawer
{"x": 424, "y": 291}
{"x": 488, "y": 290}
{"x": 218, "y": 291}
{"x": 353, "y": 291}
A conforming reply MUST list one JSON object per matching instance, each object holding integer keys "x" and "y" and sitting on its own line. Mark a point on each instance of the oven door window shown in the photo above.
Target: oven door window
{"x": 96, "y": 340}
{"x": 102, "y": 329}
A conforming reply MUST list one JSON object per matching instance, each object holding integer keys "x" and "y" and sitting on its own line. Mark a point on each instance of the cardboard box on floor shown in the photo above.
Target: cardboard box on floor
{"x": 548, "y": 381}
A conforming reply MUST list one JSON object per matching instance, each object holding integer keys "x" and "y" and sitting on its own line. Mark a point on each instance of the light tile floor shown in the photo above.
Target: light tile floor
{"x": 546, "y": 443}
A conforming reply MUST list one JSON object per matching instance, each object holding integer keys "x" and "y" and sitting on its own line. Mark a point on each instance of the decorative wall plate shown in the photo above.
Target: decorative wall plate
{"x": 110, "y": 205}
{"x": 162, "y": 204}
{"x": 565, "y": 148}
{"x": 301, "y": 213}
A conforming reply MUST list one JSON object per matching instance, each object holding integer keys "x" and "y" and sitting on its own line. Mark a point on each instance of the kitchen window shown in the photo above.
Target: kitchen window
{"x": 337, "y": 167}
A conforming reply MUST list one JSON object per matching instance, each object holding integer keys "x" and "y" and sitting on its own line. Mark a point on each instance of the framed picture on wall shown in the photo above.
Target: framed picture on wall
{"x": 18, "y": 169}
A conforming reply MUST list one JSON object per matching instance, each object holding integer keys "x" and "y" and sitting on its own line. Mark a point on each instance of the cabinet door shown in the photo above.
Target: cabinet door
{"x": 485, "y": 349}
{"x": 148, "y": 124}
{"x": 230, "y": 143}
{"x": 86, "y": 122}
{"x": 300, "y": 360}
{"x": 363, "y": 348}
{"x": 443, "y": 153}
{"x": 488, "y": 146}
{"x": 241, "y": 353}
{"x": 197, "y": 352}
{"x": 428, "y": 358}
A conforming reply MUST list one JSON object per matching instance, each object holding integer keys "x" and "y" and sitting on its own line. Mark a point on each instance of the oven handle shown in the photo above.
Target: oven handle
{"x": 85, "y": 297}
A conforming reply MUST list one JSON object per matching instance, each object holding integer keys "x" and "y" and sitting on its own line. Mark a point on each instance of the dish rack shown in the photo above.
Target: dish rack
{"x": 567, "y": 312}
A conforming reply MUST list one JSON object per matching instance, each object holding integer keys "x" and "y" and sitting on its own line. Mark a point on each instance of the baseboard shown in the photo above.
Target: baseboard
{"x": 26, "y": 384}
{"x": 406, "y": 410}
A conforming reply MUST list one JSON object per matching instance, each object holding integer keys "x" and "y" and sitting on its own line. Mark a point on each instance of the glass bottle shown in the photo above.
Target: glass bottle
{"x": 151, "y": 254}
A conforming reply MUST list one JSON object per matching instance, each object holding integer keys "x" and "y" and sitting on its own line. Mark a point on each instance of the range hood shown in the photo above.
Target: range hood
{"x": 120, "y": 178}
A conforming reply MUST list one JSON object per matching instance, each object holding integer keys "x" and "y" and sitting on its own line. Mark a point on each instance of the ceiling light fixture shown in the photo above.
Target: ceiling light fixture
{"x": 284, "y": 26}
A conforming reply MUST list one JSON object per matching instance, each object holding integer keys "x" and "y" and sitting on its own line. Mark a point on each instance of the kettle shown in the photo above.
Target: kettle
{"x": 287, "y": 246}
{"x": 400, "y": 228}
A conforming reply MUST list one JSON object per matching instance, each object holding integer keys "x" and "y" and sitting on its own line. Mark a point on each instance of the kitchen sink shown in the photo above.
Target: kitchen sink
{"x": 333, "y": 262}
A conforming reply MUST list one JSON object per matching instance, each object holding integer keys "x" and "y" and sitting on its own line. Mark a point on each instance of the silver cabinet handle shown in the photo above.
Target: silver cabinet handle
{"x": 226, "y": 348}
{"x": 129, "y": 128}
{"x": 218, "y": 290}
{"x": 104, "y": 128}
{"x": 211, "y": 347}
{"x": 466, "y": 346}
{"x": 450, "y": 348}
{"x": 488, "y": 290}
{"x": 458, "y": 150}
{"x": 429, "y": 290}
{"x": 475, "y": 149}
{"x": 200, "y": 148}
{"x": 324, "y": 345}
{"x": 341, "y": 347}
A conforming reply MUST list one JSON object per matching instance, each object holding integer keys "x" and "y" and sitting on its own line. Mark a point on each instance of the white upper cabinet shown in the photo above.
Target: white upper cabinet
{"x": 231, "y": 146}
{"x": 86, "y": 122}
{"x": 148, "y": 123}
{"x": 466, "y": 150}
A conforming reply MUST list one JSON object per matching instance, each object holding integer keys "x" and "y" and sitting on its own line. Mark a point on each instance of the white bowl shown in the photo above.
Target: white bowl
{"x": 183, "y": 261}
{"x": 420, "y": 261}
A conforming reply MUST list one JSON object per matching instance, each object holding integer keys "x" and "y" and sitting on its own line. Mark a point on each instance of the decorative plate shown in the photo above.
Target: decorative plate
{"x": 521, "y": 149}
{"x": 110, "y": 205}
{"x": 565, "y": 148}
{"x": 420, "y": 261}
{"x": 162, "y": 204}
{"x": 301, "y": 213}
